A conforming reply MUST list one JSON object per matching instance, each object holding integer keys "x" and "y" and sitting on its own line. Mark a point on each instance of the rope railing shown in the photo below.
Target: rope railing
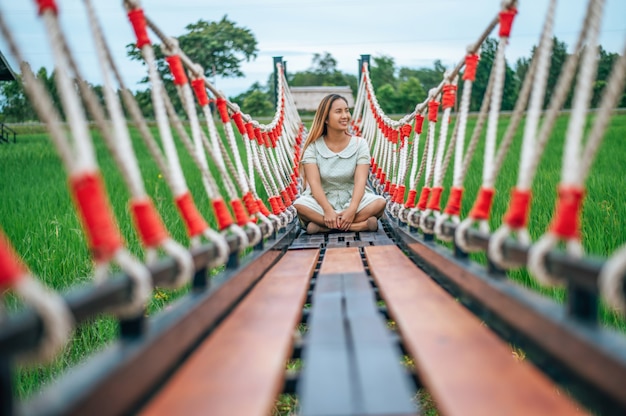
{"x": 46, "y": 328}
{"x": 391, "y": 159}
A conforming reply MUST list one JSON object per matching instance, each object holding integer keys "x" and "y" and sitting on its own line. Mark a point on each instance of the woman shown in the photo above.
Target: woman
{"x": 335, "y": 166}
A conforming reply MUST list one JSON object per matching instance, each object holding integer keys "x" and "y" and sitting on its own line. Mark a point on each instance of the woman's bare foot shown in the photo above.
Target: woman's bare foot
{"x": 313, "y": 228}
{"x": 370, "y": 224}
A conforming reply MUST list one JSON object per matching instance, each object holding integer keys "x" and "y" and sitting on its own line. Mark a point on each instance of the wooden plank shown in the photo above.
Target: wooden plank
{"x": 596, "y": 362}
{"x": 239, "y": 369}
{"x": 342, "y": 260}
{"x": 467, "y": 369}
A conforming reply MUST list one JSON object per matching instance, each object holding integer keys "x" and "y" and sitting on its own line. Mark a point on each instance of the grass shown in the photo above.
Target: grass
{"x": 603, "y": 229}
{"x": 38, "y": 217}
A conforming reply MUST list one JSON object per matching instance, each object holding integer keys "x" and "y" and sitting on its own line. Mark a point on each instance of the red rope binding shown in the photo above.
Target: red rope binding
{"x": 454, "y": 201}
{"x": 471, "y": 63}
{"x": 419, "y": 123}
{"x": 286, "y": 197}
{"x": 449, "y": 96}
{"x": 222, "y": 214}
{"x": 275, "y": 205}
{"x": 200, "y": 91}
{"x": 177, "y": 70}
{"x": 434, "y": 202}
{"x": 11, "y": 267}
{"x": 221, "y": 107}
{"x": 421, "y": 204}
{"x": 138, "y": 21}
{"x": 506, "y": 21}
{"x": 410, "y": 199}
{"x": 251, "y": 205}
{"x": 44, "y": 5}
{"x": 399, "y": 199}
{"x": 240, "y": 213}
{"x": 262, "y": 207}
{"x": 194, "y": 222}
{"x": 148, "y": 222}
{"x": 517, "y": 215}
{"x": 433, "y": 108}
{"x": 482, "y": 205}
{"x": 566, "y": 223}
{"x": 239, "y": 123}
{"x": 96, "y": 215}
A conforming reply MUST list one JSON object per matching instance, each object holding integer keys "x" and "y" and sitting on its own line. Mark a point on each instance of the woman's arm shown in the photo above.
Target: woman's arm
{"x": 312, "y": 174}
{"x": 360, "y": 179}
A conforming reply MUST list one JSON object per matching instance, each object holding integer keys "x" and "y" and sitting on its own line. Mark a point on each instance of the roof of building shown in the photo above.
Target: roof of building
{"x": 6, "y": 73}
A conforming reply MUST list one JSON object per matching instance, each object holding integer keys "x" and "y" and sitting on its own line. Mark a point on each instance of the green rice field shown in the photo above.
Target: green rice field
{"x": 38, "y": 217}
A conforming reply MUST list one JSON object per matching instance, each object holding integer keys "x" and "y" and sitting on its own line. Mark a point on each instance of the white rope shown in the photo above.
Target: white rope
{"x": 611, "y": 280}
{"x": 538, "y": 73}
{"x": 572, "y": 155}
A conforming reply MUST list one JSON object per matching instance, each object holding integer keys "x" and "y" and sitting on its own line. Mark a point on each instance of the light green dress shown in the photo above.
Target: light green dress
{"x": 337, "y": 174}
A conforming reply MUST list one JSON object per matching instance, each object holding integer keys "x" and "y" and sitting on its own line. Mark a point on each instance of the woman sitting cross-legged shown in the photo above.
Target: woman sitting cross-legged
{"x": 334, "y": 168}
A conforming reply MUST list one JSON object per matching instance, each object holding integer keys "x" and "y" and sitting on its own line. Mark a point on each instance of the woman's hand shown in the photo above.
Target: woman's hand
{"x": 331, "y": 219}
{"x": 345, "y": 219}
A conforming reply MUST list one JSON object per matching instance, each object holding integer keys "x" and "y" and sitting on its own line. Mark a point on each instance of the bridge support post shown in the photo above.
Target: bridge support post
{"x": 277, "y": 60}
{"x": 364, "y": 58}
{"x": 581, "y": 303}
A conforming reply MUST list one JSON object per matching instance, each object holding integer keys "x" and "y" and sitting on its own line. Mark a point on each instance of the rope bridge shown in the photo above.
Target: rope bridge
{"x": 222, "y": 348}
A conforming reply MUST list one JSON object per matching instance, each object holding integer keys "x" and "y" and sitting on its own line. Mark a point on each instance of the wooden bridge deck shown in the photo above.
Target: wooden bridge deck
{"x": 351, "y": 360}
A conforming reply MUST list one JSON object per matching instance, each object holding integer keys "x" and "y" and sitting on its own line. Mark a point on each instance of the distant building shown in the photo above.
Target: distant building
{"x": 308, "y": 98}
{"x": 6, "y": 73}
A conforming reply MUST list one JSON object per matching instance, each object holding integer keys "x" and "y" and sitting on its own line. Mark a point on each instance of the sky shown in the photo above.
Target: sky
{"x": 413, "y": 32}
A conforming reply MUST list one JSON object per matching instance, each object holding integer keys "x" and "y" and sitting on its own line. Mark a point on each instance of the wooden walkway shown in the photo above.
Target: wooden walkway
{"x": 351, "y": 360}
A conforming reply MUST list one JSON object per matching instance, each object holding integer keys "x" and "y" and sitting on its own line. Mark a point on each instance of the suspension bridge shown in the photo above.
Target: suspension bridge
{"x": 350, "y": 306}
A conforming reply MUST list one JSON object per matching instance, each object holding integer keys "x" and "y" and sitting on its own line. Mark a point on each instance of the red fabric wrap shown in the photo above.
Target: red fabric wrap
{"x": 148, "y": 222}
{"x": 419, "y": 123}
{"x": 240, "y": 213}
{"x": 421, "y": 204}
{"x": 434, "y": 202}
{"x": 275, "y": 205}
{"x": 223, "y": 110}
{"x": 410, "y": 199}
{"x": 96, "y": 215}
{"x": 454, "y": 201}
{"x": 198, "y": 88}
{"x": 250, "y": 131}
{"x": 11, "y": 267}
{"x": 433, "y": 108}
{"x": 286, "y": 197}
{"x": 566, "y": 222}
{"x": 517, "y": 215}
{"x": 222, "y": 214}
{"x": 383, "y": 176}
{"x": 194, "y": 222}
{"x": 258, "y": 135}
{"x": 482, "y": 205}
{"x": 392, "y": 190}
{"x": 262, "y": 207}
{"x": 449, "y": 96}
{"x": 471, "y": 63}
{"x": 405, "y": 130}
{"x": 399, "y": 199}
{"x": 251, "y": 206}
{"x": 44, "y": 5}
{"x": 238, "y": 119}
{"x": 506, "y": 21}
{"x": 177, "y": 70}
{"x": 138, "y": 21}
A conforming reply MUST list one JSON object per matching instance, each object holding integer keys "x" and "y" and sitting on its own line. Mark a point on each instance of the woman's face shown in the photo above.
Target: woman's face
{"x": 339, "y": 115}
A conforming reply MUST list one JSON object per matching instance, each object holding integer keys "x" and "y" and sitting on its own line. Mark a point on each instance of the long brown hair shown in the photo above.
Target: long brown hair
{"x": 318, "y": 127}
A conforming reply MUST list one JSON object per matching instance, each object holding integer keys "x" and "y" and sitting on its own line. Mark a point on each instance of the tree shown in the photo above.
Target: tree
{"x": 219, "y": 47}
{"x": 383, "y": 72}
{"x": 323, "y": 71}
{"x": 255, "y": 101}
{"x": 483, "y": 72}
{"x": 410, "y": 93}
{"x": 16, "y": 106}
